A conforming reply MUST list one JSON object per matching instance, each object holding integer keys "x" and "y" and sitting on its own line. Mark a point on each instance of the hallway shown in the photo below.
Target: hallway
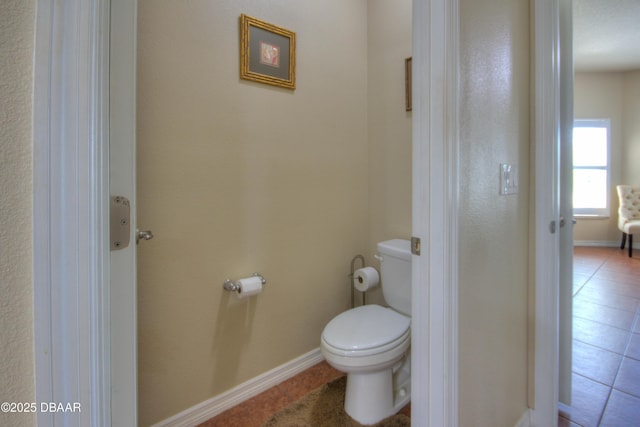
{"x": 606, "y": 339}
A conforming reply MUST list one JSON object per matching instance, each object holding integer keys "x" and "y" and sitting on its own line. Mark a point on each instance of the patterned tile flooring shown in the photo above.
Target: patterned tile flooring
{"x": 606, "y": 339}
{"x": 254, "y": 412}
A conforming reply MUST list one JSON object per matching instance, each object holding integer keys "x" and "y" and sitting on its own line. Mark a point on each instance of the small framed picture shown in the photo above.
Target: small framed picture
{"x": 267, "y": 53}
{"x": 407, "y": 83}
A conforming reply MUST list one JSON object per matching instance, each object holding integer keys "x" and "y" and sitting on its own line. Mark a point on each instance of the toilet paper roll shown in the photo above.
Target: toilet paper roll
{"x": 366, "y": 278}
{"x": 249, "y": 286}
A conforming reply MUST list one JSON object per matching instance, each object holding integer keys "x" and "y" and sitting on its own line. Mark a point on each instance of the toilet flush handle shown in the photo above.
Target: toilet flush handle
{"x": 378, "y": 257}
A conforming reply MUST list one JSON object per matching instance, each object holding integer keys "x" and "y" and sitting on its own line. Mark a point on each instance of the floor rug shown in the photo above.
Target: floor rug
{"x": 323, "y": 407}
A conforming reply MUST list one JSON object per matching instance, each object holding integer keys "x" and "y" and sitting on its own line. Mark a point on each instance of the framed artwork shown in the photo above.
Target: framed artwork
{"x": 407, "y": 83}
{"x": 267, "y": 53}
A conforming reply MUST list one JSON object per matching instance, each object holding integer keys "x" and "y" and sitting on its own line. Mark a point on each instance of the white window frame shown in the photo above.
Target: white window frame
{"x": 597, "y": 212}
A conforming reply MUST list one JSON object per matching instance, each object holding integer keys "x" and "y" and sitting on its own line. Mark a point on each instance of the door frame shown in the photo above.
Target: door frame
{"x": 546, "y": 146}
{"x": 71, "y": 211}
{"x": 71, "y": 192}
{"x": 434, "y": 347}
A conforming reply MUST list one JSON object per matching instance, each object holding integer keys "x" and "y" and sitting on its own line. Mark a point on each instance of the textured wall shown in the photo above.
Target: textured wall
{"x": 17, "y": 19}
{"x": 236, "y": 177}
{"x": 493, "y": 276}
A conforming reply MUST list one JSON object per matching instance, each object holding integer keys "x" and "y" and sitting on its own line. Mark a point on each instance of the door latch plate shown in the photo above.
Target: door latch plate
{"x": 415, "y": 245}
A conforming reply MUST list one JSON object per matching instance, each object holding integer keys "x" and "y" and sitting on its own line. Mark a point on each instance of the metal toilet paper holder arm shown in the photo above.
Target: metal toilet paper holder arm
{"x": 231, "y": 286}
{"x": 351, "y": 275}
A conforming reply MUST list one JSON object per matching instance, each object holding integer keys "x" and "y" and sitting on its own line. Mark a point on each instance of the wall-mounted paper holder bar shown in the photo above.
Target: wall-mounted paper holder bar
{"x": 231, "y": 286}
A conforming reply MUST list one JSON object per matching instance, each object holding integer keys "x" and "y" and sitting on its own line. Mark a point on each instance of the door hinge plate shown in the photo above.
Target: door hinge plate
{"x": 415, "y": 245}
{"x": 120, "y": 222}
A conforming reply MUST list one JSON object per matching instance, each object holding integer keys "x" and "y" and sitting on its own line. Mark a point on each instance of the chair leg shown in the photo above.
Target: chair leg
{"x": 624, "y": 240}
{"x": 630, "y": 244}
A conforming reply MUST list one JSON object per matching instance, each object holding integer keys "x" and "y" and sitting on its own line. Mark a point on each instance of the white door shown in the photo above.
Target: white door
{"x": 547, "y": 188}
{"x": 122, "y": 173}
{"x": 566, "y": 205}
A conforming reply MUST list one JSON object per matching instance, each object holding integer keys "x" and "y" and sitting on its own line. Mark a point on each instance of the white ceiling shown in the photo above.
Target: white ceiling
{"x": 606, "y": 35}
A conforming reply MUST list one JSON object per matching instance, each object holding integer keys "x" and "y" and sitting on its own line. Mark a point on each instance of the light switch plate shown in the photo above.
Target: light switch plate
{"x": 508, "y": 179}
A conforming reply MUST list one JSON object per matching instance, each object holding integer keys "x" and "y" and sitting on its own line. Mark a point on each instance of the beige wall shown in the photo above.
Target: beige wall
{"x": 236, "y": 177}
{"x": 291, "y": 184}
{"x": 17, "y": 18}
{"x": 495, "y": 128}
{"x": 389, "y": 43}
{"x": 631, "y": 127}
{"x": 612, "y": 95}
{"x": 600, "y": 96}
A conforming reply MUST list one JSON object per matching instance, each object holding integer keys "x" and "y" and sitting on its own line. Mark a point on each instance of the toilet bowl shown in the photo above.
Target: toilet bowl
{"x": 371, "y": 343}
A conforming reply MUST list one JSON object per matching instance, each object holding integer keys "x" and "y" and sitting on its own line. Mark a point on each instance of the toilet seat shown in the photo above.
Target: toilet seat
{"x": 366, "y": 330}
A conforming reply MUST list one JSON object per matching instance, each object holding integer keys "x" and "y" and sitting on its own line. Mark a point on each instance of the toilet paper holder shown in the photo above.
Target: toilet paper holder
{"x": 353, "y": 288}
{"x": 231, "y": 286}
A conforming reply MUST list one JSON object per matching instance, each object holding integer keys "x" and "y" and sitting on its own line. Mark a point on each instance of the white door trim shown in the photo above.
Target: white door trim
{"x": 434, "y": 344}
{"x": 70, "y": 225}
{"x": 546, "y": 147}
{"x": 122, "y": 182}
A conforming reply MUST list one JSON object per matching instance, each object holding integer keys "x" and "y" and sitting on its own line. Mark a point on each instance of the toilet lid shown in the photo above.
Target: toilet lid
{"x": 365, "y": 327}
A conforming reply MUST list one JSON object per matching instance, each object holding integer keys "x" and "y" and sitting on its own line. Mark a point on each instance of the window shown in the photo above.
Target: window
{"x": 591, "y": 167}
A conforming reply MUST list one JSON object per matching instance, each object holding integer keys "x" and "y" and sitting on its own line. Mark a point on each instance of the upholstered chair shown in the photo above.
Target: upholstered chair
{"x": 628, "y": 213}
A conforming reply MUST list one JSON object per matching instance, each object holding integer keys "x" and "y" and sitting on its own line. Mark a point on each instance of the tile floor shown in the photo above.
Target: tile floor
{"x": 255, "y": 411}
{"x": 606, "y": 339}
{"x": 606, "y": 351}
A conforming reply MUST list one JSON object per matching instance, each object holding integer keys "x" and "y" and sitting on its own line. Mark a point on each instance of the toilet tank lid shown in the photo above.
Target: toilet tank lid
{"x": 399, "y": 248}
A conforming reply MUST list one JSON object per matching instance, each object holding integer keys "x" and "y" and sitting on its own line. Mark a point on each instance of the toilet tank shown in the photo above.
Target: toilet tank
{"x": 395, "y": 273}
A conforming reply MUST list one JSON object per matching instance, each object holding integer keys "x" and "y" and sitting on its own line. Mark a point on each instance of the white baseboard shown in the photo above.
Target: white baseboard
{"x": 564, "y": 410}
{"x": 603, "y": 244}
{"x": 216, "y": 405}
{"x": 597, "y": 243}
{"x": 526, "y": 420}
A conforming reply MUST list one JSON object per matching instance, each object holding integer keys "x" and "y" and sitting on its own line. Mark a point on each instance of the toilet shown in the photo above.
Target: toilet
{"x": 371, "y": 343}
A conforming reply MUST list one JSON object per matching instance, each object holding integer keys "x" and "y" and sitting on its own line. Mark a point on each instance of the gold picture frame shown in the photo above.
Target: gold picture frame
{"x": 267, "y": 53}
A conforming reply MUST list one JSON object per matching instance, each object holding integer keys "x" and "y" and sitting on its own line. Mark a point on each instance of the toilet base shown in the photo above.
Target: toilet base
{"x": 373, "y": 396}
